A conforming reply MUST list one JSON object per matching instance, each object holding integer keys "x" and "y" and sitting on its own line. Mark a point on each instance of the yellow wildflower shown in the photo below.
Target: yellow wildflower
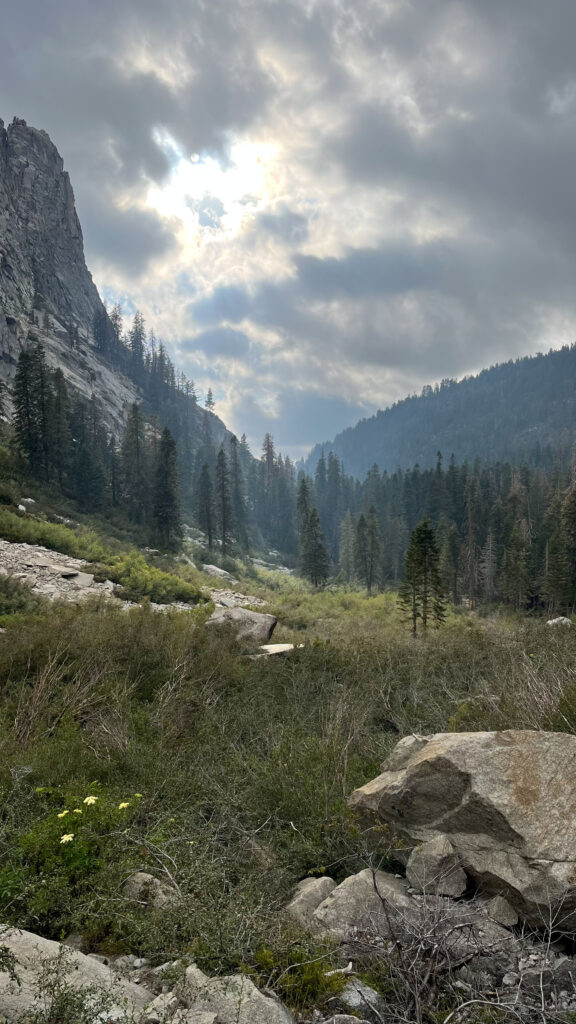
{"x": 76, "y": 811}
{"x": 62, "y": 814}
{"x": 138, "y": 796}
{"x": 125, "y": 803}
{"x": 90, "y": 799}
{"x": 67, "y": 838}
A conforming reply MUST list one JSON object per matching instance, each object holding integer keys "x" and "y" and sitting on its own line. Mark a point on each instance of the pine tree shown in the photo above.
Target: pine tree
{"x": 313, "y": 557}
{"x": 135, "y": 467}
{"x": 166, "y": 501}
{"x": 421, "y": 593}
{"x": 26, "y": 425}
{"x": 237, "y": 494}
{"x": 223, "y": 502}
{"x": 346, "y": 550}
{"x": 367, "y": 549}
{"x": 61, "y": 437}
{"x": 210, "y": 404}
{"x": 205, "y": 504}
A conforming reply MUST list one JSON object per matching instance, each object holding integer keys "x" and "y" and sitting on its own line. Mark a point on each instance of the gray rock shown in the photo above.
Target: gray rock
{"x": 500, "y": 910}
{"x": 221, "y": 574}
{"x": 32, "y": 951}
{"x": 345, "y": 1018}
{"x": 149, "y": 891}
{"x": 255, "y": 627}
{"x": 361, "y": 998}
{"x": 310, "y": 893}
{"x": 161, "y": 1009}
{"x": 196, "y": 1017}
{"x": 365, "y": 902}
{"x": 435, "y": 867}
{"x": 506, "y": 801}
{"x": 560, "y": 621}
{"x": 236, "y": 1000}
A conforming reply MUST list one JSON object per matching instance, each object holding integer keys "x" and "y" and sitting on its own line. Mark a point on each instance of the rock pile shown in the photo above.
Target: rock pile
{"x": 50, "y": 573}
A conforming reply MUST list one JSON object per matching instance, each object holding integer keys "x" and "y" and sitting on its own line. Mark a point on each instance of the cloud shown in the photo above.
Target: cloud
{"x": 405, "y": 210}
{"x": 218, "y": 342}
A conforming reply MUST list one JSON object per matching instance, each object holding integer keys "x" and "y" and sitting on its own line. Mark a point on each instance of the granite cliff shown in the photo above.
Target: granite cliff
{"x": 46, "y": 290}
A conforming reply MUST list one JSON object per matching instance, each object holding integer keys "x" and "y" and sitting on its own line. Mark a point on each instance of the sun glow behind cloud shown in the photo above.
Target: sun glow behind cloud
{"x": 231, "y": 189}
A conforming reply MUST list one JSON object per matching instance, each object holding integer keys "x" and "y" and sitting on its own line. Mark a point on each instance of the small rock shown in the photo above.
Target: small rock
{"x": 345, "y": 1018}
{"x": 500, "y": 910}
{"x": 160, "y": 1009}
{"x": 434, "y": 867}
{"x": 361, "y": 997}
{"x": 310, "y": 893}
{"x": 149, "y": 891}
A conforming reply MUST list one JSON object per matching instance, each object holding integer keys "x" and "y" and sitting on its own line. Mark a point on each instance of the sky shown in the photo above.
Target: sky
{"x": 320, "y": 205}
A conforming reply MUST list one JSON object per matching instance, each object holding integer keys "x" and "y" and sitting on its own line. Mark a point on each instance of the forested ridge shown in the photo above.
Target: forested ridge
{"x": 521, "y": 410}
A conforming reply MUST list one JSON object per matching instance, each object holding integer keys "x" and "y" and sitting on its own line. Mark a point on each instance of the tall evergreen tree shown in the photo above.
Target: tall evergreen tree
{"x": 313, "y": 557}
{"x": 421, "y": 593}
{"x": 135, "y": 466}
{"x": 346, "y": 549}
{"x": 166, "y": 503}
{"x": 224, "y": 516}
{"x": 205, "y": 504}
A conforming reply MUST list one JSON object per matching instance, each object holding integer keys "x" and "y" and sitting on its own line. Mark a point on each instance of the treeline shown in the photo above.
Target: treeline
{"x": 504, "y": 534}
{"x": 520, "y": 411}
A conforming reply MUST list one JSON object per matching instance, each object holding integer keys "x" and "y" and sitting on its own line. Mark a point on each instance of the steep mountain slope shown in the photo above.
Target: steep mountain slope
{"x": 513, "y": 411}
{"x": 46, "y": 291}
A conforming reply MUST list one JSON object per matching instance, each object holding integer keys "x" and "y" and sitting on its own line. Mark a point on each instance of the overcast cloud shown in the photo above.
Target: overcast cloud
{"x": 320, "y": 206}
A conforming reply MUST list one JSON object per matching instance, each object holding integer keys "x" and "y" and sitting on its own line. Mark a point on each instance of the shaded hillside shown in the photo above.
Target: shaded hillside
{"x": 511, "y": 412}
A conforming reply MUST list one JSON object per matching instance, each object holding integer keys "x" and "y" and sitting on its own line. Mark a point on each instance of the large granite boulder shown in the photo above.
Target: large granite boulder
{"x": 506, "y": 801}
{"x": 33, "y": 953}
{"x": 255, "y": 627}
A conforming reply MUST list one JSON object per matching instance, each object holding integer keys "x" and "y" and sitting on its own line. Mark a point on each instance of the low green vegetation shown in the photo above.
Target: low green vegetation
{"x": 138, "y": 741}
{"x": 135, "y": 577}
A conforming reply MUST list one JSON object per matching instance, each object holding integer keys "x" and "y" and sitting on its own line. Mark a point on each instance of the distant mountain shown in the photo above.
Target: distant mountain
{"x": 520, "y": 410}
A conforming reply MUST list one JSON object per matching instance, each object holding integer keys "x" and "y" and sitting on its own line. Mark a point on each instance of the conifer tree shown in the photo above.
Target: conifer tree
{"x": 313, "y": 557}
{"x": 61, "y": 437}
{"x": 346, "y": 549}
{"x": 421, "y": 593}
{"x": 166, "y": 503}
{"x": 223, "y": 502}
{"x": 237, "y": 493}
{"x": 135, "y": 467}
{"x": 205, "y": 504}
{"x": 26, "y": 425}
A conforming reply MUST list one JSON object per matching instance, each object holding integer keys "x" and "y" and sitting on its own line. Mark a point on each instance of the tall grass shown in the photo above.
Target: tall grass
{"x": 244, "y": 766}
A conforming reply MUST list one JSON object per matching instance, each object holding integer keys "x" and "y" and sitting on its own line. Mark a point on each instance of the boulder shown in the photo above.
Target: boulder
{"x": 310, "y": 893}
{"x": 149, "y": 891}
{"x": 505, "y": 800}
{"x": 234, "y": 1000}
{"x": 253, "y": 626}
{"x": 221, "y": 574}
{"x": 434, "y": 867}
{"x": 560, "y": 621}
{"x": 80, "y": 971}
{"x": 372, "y": 902}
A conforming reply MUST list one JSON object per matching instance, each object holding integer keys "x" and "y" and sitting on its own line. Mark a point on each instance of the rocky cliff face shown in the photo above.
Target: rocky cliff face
{"x": 46, "y": 290}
